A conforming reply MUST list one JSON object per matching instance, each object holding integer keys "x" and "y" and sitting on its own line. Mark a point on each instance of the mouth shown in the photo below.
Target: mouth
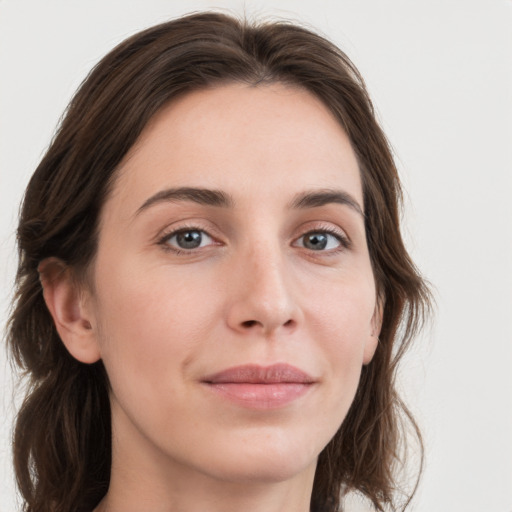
{"x": 260, "y": 387}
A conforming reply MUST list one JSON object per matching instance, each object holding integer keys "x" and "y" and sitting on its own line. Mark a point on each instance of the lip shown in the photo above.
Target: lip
{"x": 261, "y": 387}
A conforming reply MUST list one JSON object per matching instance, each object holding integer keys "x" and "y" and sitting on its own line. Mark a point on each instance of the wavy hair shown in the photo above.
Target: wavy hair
{"x": 62, "y": 437}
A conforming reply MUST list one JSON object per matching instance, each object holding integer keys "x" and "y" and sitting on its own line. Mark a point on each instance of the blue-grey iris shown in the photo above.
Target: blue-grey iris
{"x": 315, "y": 241}
{"x": 189, "y": 239}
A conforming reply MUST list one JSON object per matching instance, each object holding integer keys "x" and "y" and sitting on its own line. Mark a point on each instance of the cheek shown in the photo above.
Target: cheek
{"x": 341, "y": 321}
{"x": 150, "y": 325}
{"x": 343, "y": 310}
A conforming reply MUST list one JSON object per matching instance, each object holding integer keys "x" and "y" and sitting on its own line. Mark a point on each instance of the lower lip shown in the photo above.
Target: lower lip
{"x": 261, "y": 396}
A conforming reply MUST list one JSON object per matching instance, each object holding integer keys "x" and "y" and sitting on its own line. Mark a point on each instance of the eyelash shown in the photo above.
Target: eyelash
{"x": 341, "y": 238}
{"x": 164, "y": 239}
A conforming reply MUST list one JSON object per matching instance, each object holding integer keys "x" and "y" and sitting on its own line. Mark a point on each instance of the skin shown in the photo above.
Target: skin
{"x": 254, "y": 291}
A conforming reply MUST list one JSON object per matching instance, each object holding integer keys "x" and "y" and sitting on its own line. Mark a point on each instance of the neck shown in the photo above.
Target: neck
{"x": 201, "y": 495}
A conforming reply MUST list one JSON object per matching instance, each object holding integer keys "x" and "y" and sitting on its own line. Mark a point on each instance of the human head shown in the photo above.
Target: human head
{"x": 60, "y": 219}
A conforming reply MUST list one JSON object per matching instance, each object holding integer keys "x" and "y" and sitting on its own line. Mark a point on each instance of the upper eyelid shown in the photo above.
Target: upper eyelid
{"x": 164, "y": 235}
{"x": 323, "y": 226}
{"x": 186, "y": 225}
{"x": 342, "y": 238}
{"x": 169, "y": 230}
{"x": 213, "y": 230}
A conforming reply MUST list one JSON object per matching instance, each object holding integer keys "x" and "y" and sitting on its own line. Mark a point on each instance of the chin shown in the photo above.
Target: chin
{"x": 272, "y": 470}
{"x": 269, "y": 460}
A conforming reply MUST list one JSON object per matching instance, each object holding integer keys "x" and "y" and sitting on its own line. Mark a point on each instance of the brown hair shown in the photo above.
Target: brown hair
{"x": 62, "y": 443}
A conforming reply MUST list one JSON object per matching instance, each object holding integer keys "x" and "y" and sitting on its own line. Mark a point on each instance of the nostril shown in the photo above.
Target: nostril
{"x": 249, "y": 323}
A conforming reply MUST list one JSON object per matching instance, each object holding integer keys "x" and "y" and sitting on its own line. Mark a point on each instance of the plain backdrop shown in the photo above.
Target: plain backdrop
{"x": 440, "y": 74}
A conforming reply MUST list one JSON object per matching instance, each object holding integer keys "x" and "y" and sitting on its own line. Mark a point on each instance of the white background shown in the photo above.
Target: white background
{"x": 440, "y": 73}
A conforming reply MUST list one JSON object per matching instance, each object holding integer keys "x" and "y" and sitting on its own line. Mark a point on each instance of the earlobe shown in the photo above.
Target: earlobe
{"x": 375, "y": 327}
{"x": 72, "y": 318}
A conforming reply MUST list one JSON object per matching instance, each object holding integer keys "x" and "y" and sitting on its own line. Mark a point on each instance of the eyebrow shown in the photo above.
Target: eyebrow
{"x": 209, "y": 197}
{"x": 202, "y": 196}
{"x": 323, "y": 197}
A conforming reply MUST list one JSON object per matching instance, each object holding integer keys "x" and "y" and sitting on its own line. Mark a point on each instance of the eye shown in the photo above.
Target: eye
{"x": 321, "y": 241}
{"x": 187, "y": 239}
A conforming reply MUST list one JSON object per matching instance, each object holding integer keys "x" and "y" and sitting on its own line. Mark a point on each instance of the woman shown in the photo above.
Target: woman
{"x": 213, "y": 293}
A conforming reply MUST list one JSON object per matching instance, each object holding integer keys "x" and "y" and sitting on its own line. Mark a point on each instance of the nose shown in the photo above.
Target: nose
{"x": 262, "y": 299}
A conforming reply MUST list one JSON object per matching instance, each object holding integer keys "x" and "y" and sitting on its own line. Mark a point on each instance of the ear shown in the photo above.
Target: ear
{"x": 66, "y": 303}
{"x": 375, "y": 327}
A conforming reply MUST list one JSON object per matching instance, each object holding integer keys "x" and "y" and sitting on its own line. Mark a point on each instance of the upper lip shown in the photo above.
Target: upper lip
{"x": 256, "y": 374}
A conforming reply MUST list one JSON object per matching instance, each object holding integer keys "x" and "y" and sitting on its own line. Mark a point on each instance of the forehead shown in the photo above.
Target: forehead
{"x": 245, "y": 140}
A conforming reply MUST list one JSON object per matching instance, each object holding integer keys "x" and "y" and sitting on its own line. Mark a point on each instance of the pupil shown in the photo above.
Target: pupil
{"x": 316, "y": 241}
{"x": 189, "y": 239}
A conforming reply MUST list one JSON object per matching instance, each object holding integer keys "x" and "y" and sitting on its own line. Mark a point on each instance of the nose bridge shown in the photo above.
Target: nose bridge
{"x": 268, "y": 279}
{"x": 263, "y": 299}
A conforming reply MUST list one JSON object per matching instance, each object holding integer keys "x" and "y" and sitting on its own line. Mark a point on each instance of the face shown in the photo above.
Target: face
{"x": 234, "y": 302}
